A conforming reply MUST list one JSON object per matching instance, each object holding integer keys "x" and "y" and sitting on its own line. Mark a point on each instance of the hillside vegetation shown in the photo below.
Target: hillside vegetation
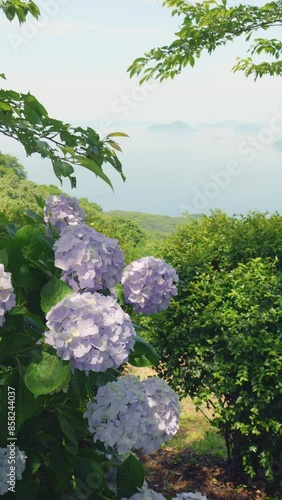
{"x": 138, "y": 233}
{"x": 160, "y": 225}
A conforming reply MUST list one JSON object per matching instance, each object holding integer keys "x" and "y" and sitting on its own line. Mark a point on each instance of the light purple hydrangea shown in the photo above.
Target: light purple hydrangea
{"x": 146, "y": 494}
{"x": 62, "y": 211}
{"x": 90, "y": 330}
{"x": 165, "y": 408}
{"x": 7, "y": 296}
{"x": 129, "y": 414}
{"x": 90, "y": 261}
{"x": 20, "y": 459}
{"x": 149, "y": 284}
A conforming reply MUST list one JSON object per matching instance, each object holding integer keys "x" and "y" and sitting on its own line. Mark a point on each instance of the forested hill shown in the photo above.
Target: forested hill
{"x": 160, "y": 224}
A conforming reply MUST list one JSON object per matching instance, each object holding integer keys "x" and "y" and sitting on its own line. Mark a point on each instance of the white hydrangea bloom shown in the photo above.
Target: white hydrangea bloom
{"x": 146, "y": 494}
{"x": 5, "y": 467}
{"x": 129, "y": 414}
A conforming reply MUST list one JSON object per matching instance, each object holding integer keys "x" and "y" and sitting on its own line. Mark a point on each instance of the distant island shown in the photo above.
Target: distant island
{"x": 174, "y": 127}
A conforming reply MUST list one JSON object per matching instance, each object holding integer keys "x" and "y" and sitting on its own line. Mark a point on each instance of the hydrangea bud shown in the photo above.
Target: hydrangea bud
{"x": 128, "y": 414}
{"x": 7, "y": 296}
{"x": 5, "y": 467}
{"x": 146, "y": 494}
{"x": 149, "y": 284}
{"x": 90, "y": 261}
{"x": 90, "y": 330}
{"x": 190, "y": 496}
{"x": 62, "y": 211}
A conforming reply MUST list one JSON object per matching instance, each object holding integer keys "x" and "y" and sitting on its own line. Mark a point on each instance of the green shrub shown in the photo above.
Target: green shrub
{"x": 221, "y": 338}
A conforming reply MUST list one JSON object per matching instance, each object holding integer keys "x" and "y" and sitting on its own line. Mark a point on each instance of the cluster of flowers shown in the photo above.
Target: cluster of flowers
{"x": 19, "y": 465}
{"x": 89, "y": 260}
{"x": 87, "y": 328}
{"x": 7, "y": 296}
{"x": 149, "y": 285}
{"x": 128, "y": 414}
{"x": 147, "y": 494}
{"x": 62, "y": 211}
{"x": 90, "y": 330}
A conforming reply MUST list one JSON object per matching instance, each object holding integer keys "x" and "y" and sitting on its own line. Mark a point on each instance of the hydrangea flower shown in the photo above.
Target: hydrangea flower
{"x": 190, "y": 496}
{"x": 149, "y": 284}
{"x": 62, "y": 211}
{"x": 165, "y": 408}
{"x": 89, "y": 260}
{"x": 129, "y": 414}
{"x": 146, "y": 494}
{"x": 90, "y": 330}
{"x": 20, "y": 459}
{"x": 7, "y": 296}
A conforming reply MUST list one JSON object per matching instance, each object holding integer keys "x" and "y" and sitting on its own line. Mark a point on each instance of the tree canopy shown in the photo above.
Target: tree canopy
{"x": 25, "y": 119}
{"x": 12, "y": 162}
{"x": 209, "y": 24}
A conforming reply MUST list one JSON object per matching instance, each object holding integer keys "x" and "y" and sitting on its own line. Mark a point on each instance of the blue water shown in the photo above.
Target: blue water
{"x": 170, "y": 173}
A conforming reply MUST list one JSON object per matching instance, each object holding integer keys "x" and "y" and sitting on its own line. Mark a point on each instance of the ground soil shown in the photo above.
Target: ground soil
{"x": 169, "y": 473}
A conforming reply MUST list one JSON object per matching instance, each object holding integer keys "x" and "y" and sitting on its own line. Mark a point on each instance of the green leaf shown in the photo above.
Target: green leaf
{"x": 2, "y": 75}
{"x": 12, "y": 344}
{"x": 46, "y": 375}
{"x": 62, "y": 168}
{"x": 143, "y": 354}
{"x": 130, "y": 477}
{"x": 5, "y": 106}
{"x": 117, "y": 134}
{"x": 72, "y": 424}
{"x": 27, "y": 239}
{"x": 53, "y": 292}
{"x": 67, "y": 429}
{"x": 92, "y": 165}
{"x": 4, "y": 259}
{"x": 102, "y": 378}
{"x": 90, "y": 474}
{"x": 27, "y": 405}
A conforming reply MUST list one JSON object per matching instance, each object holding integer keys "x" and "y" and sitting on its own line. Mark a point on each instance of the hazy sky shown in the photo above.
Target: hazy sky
{"x": 74, "y": 59}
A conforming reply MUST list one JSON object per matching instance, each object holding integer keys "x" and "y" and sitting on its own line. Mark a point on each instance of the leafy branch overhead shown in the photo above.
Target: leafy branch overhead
{"x": 210, "y": 24}
{"x": 24, "y": 118}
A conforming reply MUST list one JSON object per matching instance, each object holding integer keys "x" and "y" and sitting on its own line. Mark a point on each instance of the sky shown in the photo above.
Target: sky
{"x": 75, "y": 60}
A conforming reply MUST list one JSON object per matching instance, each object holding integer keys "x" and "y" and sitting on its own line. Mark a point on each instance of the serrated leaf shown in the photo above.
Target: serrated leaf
{"x": 46, "y": 375}
{"x": 53, "y": 292}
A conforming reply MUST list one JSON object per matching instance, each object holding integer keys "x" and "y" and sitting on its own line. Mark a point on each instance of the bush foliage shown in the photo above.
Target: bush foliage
{"x": 221, "y": 338}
